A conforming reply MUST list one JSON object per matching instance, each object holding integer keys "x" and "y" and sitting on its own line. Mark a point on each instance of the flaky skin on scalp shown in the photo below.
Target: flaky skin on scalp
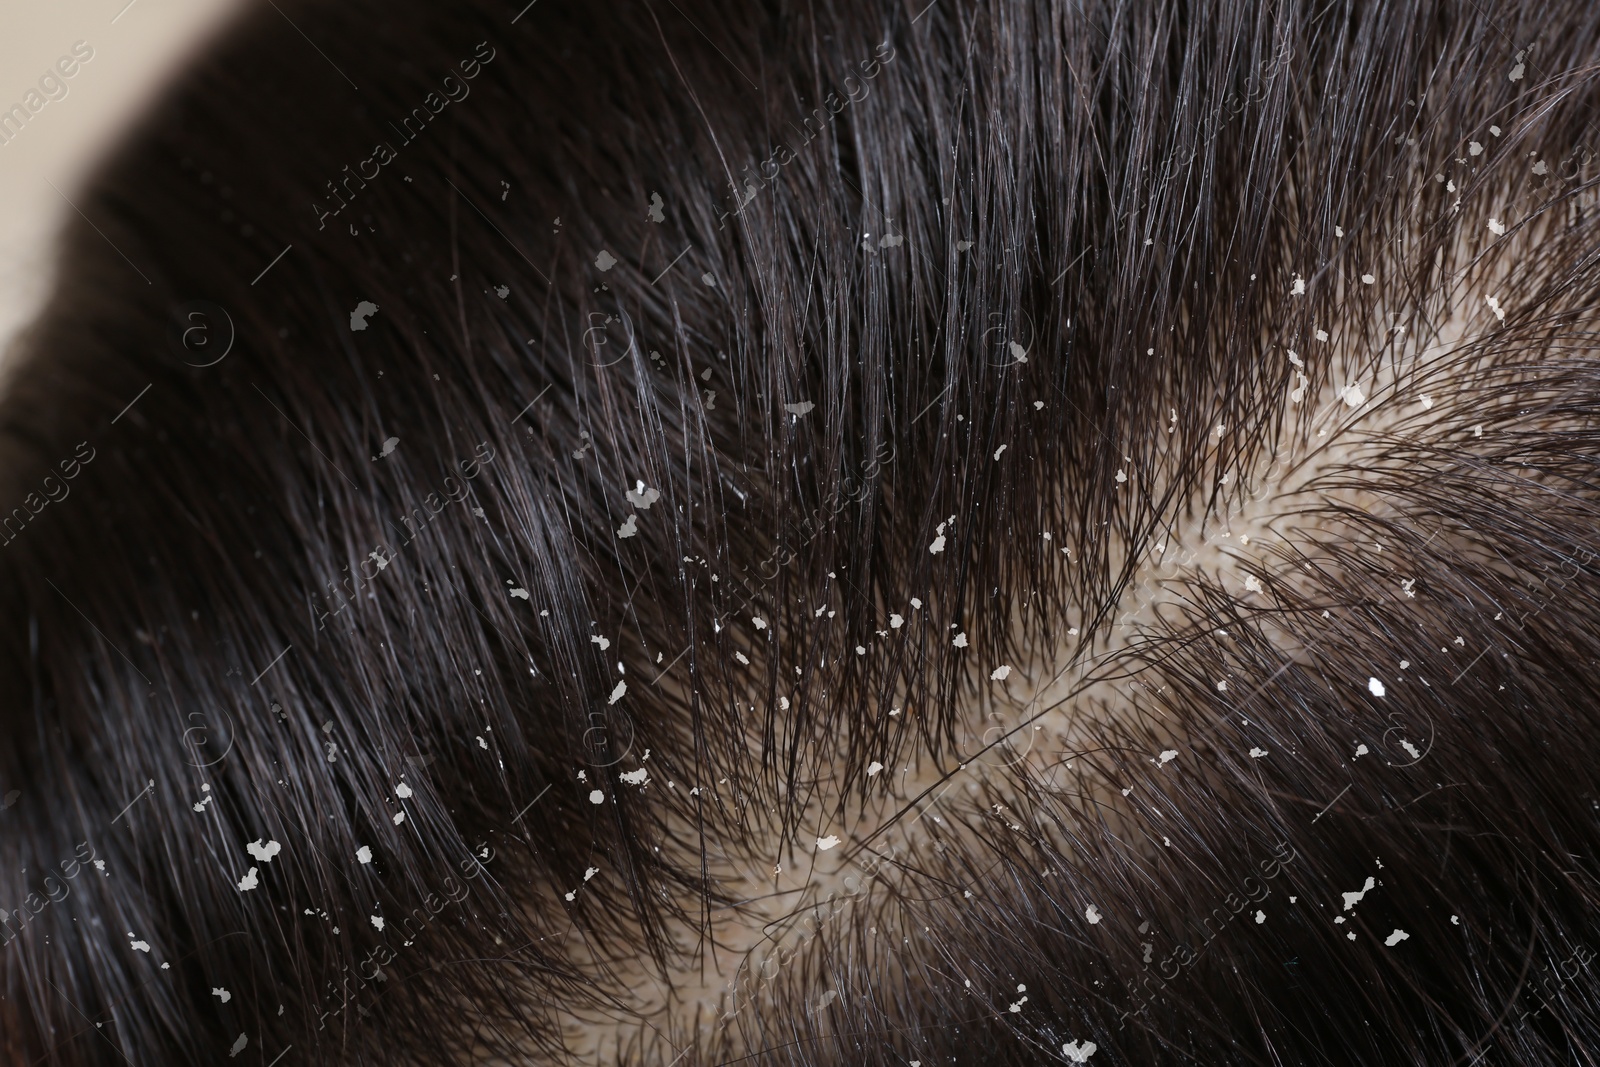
{"x": 1202, "y": 270}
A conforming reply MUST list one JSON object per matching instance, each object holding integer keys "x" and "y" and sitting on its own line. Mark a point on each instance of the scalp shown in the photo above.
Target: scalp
{"x": 1041, "y": 278}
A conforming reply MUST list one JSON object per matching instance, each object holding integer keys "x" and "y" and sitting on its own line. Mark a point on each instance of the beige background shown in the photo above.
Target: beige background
{"x": 137, "y": 46}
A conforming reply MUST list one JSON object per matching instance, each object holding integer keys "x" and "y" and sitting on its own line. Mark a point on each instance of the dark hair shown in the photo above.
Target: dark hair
{"x": 875, "y": 533}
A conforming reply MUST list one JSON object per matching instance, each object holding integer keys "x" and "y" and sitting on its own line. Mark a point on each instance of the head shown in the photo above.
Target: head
{"x": 1023, "y": 533}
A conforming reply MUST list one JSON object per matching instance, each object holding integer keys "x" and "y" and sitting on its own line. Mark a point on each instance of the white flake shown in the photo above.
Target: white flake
{"x": 629, "y": 527}
{"x": 1076, "y": 1053}
{"x": 1352, "y": 899}
{"x": 895, "y": 622}
{"x": 1019, "y": 353}
{"x": 377, "y": 921}
{"x": 1169, "y": 755}
{"x": 520, "y": 592}
{"x": 1352, "y": 396}
{"x": 603, "y": 642}
{"x": 358, "y": 317}
{"x": 1000, "y": 673}
{"x": 598, "y": 796}
{"x": 605, "y": 260}
{"x": 1261, "y": 917}
{"x": 638, "y": 777}
{"x": 873, "y": 768}
{"x": 1299, "y": 286}
{"x": 364, "y": 854}
{"x": 402, "y": 790}
{"x": 1257, "y": 753}
{"x": 1496, "y": 227}
{"x": 1252, "y": 583}
{"x": 641, "y": 496}
{"x": 1368, "y": 279}
{"x": 1474, "y": 148}
{"x": 999, "y": 450}
{"x": 759, "y": 622}
{"x": 1395, "y": 938}
{"x": 265, "y": 852}
{"x": 1091, "y": 914}
{"x": 825, "y": 843}
{"x": 960, "y": 641}
{"x": 802, "y": 408}
{"x": 399, "y": 817}
{"x": 221, "y": 994}
{"x": 1375, "y": 687}
{"x": 1494, "y": 306}
{"x": 238, "y": 1045}
{"x": 249, "y": 881}
{"x": 140, "y": 946}
{"x": 617, "y": 693}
